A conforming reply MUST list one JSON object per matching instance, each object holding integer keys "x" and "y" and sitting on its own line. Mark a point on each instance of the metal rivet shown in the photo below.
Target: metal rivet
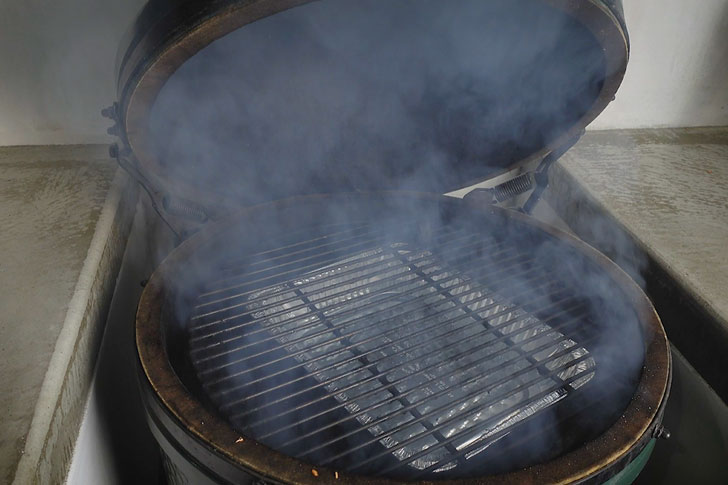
{"x": 662, "y": 433}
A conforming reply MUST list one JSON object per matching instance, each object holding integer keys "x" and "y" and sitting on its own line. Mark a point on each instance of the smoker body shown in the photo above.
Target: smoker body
{"x": 169, "y": 82}
{"x": 184, "y": 425}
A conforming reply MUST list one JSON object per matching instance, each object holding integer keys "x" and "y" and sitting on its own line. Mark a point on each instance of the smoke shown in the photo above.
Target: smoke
{"x": 351, "y": 96}
{"x": 370, "y": 95}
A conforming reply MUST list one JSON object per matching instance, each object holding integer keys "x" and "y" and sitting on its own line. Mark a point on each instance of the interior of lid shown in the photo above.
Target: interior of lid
{"x": 344, "y": 95}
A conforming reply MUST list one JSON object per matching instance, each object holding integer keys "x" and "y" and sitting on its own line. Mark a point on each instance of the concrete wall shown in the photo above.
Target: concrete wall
{"x": 57, "y": 68}
{"x": 678, "y": 70}
{"x": 57, "y": 60}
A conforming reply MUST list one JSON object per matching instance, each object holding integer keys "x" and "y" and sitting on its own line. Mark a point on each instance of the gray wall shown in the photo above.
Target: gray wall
{"x": 678, "y": 70}
{"x": 57, "y": 60}
{"x": 57, "y": 68}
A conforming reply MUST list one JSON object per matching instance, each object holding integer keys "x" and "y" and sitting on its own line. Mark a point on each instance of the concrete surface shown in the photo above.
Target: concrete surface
{"x": 669, "y": 189}
{"x": 59, "y": 252}
{"x": 114, "y": 444}
{"x": 656, "y": 202}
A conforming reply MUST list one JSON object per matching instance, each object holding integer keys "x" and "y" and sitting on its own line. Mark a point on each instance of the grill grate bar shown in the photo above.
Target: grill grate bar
{"x": 356, "y": 270}
{"x": 381, "y": 403}
{"x": 245, "y": 294}
{"x": 444, "y": 407}
{"x": 593, "y": 399}
{"x": 353, "y": 347}
{"x": 597, "y": 396}
{"x": 313, "y": 272}
{"x": 422, "y": 331}
{"x": 314, "y": 268}
{"x": 348, "y": 323}
{"x": 378, "y": 336}
{"x": 410, "y": 281}
{"x": 378, "y": 263}
{"x": 482, "y": 425}
{"x": 277, "y": 303}
{"x": 508, "y": 322}
{"x": 354, "y": 236}
{"x": 240, "y": 264}
{"x": 439, "y": 235}
{"x": 371, "y": 338}
{"x": 364, "y": 359}
{"x": 361, "y": 245}
{"x": 314, "y": 324}
{"x": 435, "y": 365}
{"x": 237, "y": 264}
{"x": 469, "y": 311}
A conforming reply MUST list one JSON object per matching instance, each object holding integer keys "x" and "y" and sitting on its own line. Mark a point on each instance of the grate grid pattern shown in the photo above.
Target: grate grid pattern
{"x": 354, "y": 352}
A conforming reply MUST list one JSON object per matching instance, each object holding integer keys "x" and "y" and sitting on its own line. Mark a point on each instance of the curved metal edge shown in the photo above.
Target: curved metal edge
{"x": 642, "y": 409}
{"x": 616, "y": 445}
{"x": 640, "y": 446}
{"x": 162, "y": 42}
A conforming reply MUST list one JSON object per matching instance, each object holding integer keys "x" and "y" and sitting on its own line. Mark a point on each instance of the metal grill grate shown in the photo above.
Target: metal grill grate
{"x": 386, "y": 357}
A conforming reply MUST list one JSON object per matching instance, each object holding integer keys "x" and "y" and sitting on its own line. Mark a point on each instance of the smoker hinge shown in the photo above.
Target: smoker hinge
{"x": 534, "y": 181}
{"x": 112, "y": 112}
{"x": 182, "y": 216}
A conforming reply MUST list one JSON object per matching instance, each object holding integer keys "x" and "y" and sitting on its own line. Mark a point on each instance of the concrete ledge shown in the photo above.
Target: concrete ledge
{"x": 656, "y": 202}
{"x": 58, "y": 412}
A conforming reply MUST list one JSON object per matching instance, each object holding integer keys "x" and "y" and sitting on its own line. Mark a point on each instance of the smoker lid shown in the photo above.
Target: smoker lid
{"x": 232, "y": 103}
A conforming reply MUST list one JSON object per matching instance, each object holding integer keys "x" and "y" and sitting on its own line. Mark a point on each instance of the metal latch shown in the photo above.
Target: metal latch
{"x": 182, "y": 216}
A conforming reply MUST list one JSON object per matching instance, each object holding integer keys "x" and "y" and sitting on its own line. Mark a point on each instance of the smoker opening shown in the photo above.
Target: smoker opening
{"x": 400, "y": 337}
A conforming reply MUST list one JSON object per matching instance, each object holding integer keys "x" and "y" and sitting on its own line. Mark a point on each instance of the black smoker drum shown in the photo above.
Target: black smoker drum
{"x": 369, "y": 344}
{"x": 376, "y": 333}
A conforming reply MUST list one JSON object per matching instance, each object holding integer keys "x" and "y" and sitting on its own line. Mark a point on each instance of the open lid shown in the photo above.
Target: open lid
{"x": 231, "y": 103}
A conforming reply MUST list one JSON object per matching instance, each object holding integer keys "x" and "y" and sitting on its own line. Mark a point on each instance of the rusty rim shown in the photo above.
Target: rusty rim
{"x": 625, "y": 437}
{"x": 159, "y": 46}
